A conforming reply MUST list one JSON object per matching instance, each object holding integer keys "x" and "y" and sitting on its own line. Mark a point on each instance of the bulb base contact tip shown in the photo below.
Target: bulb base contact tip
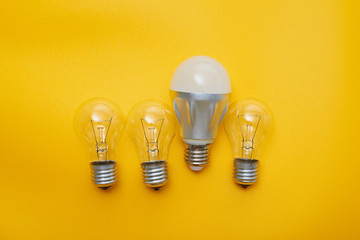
{"x": 245, "y": 171}
{"x": 155, "y": 174}
{"x": 196, "y": 156}
{"x": 103, "y": 173}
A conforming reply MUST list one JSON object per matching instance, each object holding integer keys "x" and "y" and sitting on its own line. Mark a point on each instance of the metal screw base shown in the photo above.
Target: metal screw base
{"x": 245, "y": 171}
{"x": 196, "y": 156}
{"x": 155, "y": 174}
{"x": 103, "y": 173}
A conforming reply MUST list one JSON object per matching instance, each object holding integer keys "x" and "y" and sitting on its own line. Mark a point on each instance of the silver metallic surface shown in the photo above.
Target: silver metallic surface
{"x": 155, "y": 174}
{"x": 103, "y": 173}
{"x": 199, "y": 114}
{"x": 245, "y": 171}
{"x": 196, "y": 156}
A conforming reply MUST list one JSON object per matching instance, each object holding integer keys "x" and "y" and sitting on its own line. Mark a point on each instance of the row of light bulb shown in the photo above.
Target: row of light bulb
{"x": 200, "y": 90}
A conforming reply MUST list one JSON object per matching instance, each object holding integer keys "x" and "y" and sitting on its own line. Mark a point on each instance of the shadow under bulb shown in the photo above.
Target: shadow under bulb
{"x": 247, "y": 123}
{"x": 99, "y": 124}
{"x": 151, "y": 127}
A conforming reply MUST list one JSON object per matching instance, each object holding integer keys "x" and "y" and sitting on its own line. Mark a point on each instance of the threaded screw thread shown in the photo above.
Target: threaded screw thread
{"x": 245, "y": 171}
{"x": 197, "y": 156}
{"x": 103, "y": 173}
{"x": 155, "y": 173}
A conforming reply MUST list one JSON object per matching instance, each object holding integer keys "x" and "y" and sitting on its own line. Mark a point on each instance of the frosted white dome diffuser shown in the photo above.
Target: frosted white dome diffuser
{"x": 201, "y": 74}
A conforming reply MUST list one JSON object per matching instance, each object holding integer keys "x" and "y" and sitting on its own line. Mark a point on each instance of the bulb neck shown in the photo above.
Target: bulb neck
{"x": 245, "y": 171}
{"x": 103, "y": 173}
{"x": 155, "y": 173}
{"x": 197, "y": 156}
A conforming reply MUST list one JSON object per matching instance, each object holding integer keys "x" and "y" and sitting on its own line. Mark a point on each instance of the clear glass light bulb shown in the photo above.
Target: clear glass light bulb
{"x": 99, "y": 124}
{"x": 151, "y": 126}
{"x": 247, "y": 123}
{"x": 200, "y": 89}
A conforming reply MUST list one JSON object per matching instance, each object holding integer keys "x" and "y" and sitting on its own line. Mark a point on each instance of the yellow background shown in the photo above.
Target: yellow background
{"x": 300, "y": 57}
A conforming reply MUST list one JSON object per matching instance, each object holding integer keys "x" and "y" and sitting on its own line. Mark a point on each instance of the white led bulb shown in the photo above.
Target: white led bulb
{"x": 200, "y": 89}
